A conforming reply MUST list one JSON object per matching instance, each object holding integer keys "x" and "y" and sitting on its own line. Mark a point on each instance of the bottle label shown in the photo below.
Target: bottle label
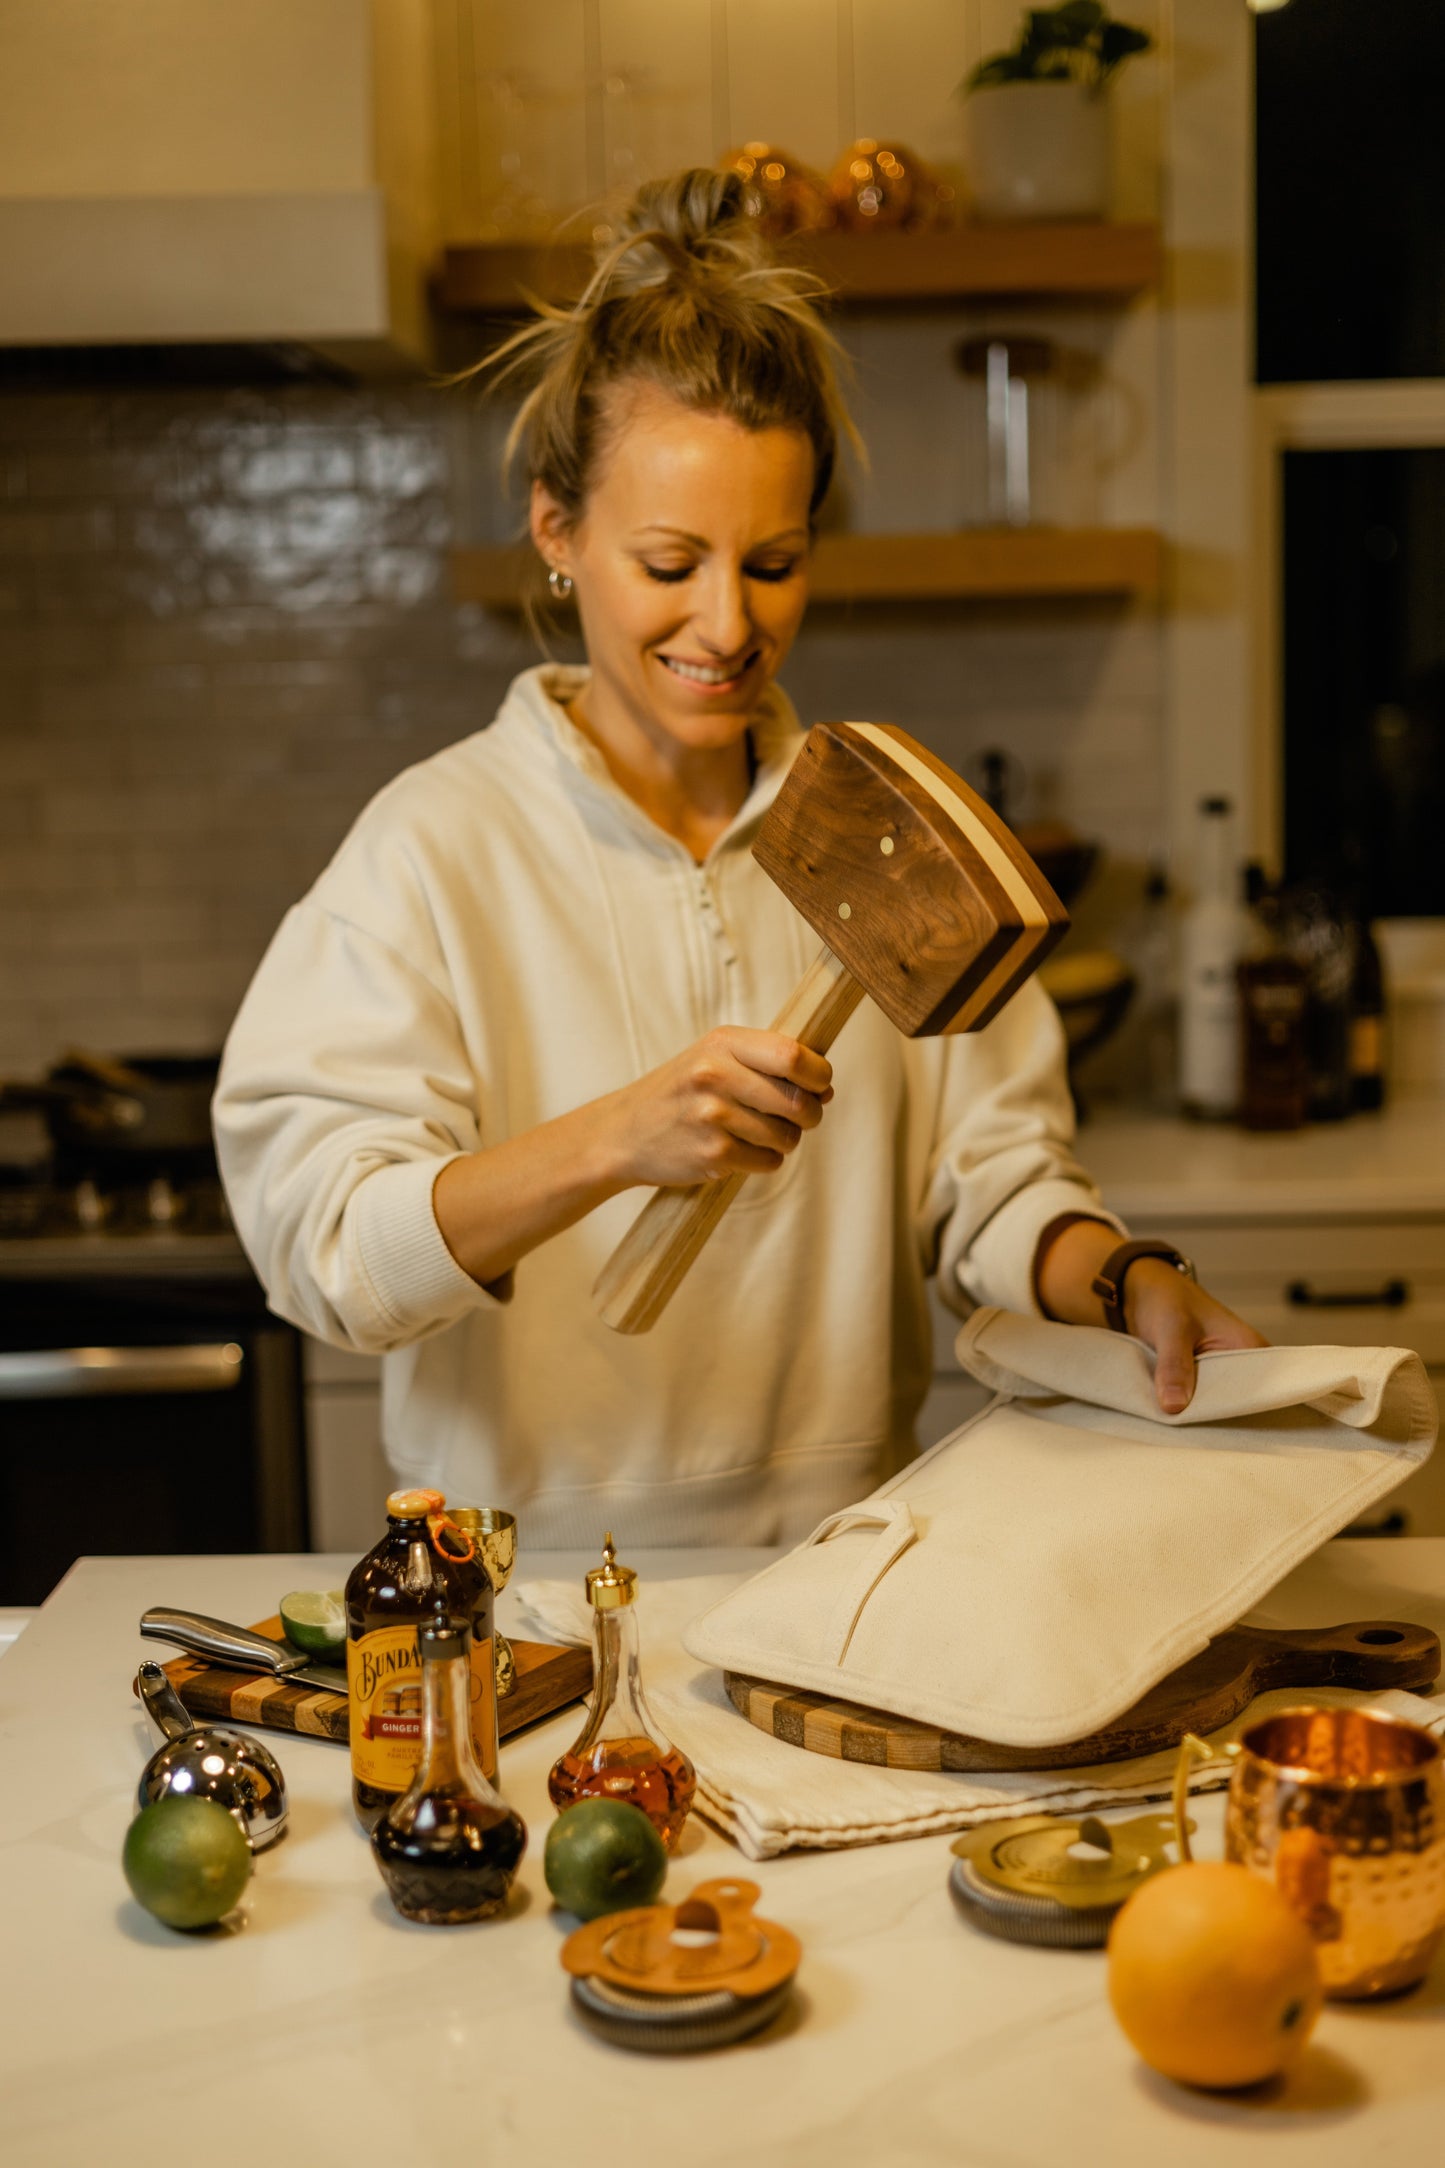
{"x": 383, "y": 1679}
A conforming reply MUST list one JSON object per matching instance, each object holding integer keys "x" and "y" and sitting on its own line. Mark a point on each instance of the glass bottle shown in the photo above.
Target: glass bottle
{"x": 1212, "y": 939}
{"x": 449, "y": 1847}
{"x": 1367, "y": 1022}
{"x": 622, "y": 1752}
{"x": 1275, "y": 1073}
{"x": 423, "y": 1568}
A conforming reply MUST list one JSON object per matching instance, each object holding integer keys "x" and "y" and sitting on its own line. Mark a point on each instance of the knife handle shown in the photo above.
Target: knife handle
{"x": 221, "y": 1642}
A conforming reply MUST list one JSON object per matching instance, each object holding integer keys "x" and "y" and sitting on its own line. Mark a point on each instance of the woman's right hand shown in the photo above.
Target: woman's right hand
{"x": 736, "y": 1102}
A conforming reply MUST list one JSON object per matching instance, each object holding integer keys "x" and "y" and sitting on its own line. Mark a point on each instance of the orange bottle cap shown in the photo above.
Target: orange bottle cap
{"x": 413, "y": 1505}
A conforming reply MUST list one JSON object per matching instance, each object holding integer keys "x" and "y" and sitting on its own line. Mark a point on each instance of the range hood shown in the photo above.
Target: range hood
{"x": 202, "y": 172}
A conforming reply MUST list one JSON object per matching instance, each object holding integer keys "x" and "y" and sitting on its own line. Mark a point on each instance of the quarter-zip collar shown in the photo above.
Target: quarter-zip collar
{"x": 535, "y": 710}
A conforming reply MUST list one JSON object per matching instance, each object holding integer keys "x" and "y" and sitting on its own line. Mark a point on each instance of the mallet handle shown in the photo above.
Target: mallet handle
{"x": 641, "y": 1276}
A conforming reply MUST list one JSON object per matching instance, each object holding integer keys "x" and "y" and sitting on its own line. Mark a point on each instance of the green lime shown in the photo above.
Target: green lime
{"x": 603, "y": 1855}
{"x": 186, "y": 1861}
{"x": 315, "y": 1620}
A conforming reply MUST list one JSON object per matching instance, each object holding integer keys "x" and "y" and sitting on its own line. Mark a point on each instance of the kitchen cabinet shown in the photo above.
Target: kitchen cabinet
{"x": 346, "y": 1468}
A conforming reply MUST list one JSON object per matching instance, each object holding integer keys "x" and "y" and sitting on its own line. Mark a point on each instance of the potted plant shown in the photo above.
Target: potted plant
{"x": 1036, "y": 118}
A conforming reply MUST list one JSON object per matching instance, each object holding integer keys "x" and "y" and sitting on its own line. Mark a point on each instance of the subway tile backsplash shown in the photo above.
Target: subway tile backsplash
{"x": 225, "y": 621}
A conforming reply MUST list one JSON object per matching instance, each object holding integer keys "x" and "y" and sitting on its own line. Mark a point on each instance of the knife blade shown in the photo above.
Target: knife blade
{"x": 217, "y": 1641}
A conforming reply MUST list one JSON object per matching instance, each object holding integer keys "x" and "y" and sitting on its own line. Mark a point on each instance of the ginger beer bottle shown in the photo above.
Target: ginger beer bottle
{"x": 424, "y": 1567}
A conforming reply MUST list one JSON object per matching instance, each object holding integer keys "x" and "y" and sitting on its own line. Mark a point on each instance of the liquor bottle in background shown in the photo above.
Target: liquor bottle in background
{"x": 1213, "y": 936}
{"x": 1367, "y": 1022}
{"x": 1273, "y": 996}
{"x": 1320, "y": 936}
{"x": 423, "y": 1568}
{"x": 449, "y": 1847}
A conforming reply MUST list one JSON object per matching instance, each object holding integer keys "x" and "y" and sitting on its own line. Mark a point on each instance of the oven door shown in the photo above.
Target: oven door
{"x": 144, "y": 1418}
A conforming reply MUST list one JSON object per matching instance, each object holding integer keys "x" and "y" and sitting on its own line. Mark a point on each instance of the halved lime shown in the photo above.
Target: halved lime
{"x": 603, "y": 1855}
{"x": 315, "y": 1620}
{"x": 186, "y": 1860}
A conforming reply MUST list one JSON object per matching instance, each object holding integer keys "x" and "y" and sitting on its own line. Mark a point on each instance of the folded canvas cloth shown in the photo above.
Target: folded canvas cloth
{"x": 1033, "y": 1576}
{"x": 769, "y": 1797}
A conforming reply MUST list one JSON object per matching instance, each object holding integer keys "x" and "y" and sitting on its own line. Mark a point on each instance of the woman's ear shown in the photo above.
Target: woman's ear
{"x": 551, "y": 528}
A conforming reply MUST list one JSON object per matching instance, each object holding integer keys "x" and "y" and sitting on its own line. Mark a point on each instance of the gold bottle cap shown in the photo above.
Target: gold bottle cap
{"x": 609, "y": 1585}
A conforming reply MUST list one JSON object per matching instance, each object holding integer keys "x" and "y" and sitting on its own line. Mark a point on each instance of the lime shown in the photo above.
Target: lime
{"x": 603, "y": 1855}
{"x": 186, "y": 1861}
{"x": 315, "y": 1620}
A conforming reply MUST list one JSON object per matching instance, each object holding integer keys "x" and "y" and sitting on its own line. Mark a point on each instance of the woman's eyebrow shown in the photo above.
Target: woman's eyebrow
{"x": 700, "y": 542}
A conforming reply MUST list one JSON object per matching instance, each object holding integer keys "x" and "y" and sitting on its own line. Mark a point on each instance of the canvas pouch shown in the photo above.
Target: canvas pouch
{"x": 1034, "y": 1574}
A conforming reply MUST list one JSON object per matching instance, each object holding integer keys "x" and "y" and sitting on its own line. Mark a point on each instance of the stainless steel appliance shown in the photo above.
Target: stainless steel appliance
{"x": 148, "y": 1400}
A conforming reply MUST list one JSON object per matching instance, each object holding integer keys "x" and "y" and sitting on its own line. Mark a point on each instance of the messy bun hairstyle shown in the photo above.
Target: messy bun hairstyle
{"x": 690, "y": 300}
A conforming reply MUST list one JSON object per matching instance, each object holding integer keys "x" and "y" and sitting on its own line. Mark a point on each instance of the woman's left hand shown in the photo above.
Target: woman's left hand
{"x": 1162, "y": 1307}
{"x": 1180, "y": 1321}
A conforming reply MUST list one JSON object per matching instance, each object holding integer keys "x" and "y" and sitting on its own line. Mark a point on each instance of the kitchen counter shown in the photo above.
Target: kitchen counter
{"x": 1155, "y": 1167}
{"x": 328, "y": 2030}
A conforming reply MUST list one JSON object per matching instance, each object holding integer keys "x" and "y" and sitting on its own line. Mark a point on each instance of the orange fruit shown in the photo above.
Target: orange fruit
{"x": 1212, "y": 1976}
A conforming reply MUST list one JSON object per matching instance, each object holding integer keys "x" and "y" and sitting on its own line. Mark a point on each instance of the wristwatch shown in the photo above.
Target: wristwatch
{"x": 1108, "y": 1283}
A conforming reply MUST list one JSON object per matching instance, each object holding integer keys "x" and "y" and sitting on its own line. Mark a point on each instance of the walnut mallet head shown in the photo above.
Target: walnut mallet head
{"x": 923, "y": 900}
{"x": 916, "y": 886}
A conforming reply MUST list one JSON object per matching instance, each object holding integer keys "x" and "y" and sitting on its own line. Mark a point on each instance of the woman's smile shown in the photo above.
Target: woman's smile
{"x": 711, "y": 678}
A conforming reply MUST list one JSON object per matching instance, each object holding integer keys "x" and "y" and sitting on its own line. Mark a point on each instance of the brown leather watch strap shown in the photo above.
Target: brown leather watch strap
{"x": 1108, "y": 1283}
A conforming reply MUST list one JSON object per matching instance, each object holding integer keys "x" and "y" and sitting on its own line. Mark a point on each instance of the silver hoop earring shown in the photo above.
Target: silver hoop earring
{"x": 560, "y": 584}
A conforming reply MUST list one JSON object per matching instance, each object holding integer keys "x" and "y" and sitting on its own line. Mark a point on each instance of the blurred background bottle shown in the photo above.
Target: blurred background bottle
{"x": 1367, "y": 1022}
{"x": 1320, "y": 934}
{"x": 1213, "y": 937}
{"x": 1273, "y": 998}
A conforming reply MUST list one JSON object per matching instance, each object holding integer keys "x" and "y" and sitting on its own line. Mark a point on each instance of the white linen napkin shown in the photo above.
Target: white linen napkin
{"x": 769, "y": 1797}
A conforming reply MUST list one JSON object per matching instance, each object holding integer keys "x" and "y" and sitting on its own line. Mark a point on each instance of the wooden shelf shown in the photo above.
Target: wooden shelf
{"x": 976, "y": 563}
{"x": 1076, "y": 261}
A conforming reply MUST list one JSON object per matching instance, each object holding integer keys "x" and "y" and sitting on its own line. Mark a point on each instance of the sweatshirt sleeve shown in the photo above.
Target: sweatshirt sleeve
{"x": 345, "y": 1088}
{"x": 1002, "y": 1164}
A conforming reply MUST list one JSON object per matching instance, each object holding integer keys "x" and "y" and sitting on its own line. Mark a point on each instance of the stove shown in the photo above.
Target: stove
{"x": 140, "y": 1371}
{"x": 54, "y": 1224}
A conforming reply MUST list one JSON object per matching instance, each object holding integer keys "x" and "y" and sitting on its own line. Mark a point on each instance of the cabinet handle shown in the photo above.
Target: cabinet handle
{"x": 1392, "y": 1295}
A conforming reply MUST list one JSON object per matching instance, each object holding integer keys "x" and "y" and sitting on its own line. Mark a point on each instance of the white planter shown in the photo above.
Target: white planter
{"x": 1037, "y": 150}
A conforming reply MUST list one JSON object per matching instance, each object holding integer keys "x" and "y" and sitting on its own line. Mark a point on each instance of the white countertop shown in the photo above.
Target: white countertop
{"x": 329, "y": 2031}
{"x": 1373, "y": 1166}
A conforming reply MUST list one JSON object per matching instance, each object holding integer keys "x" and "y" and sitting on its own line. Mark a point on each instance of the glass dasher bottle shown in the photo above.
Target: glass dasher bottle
{"x": 622, "y": 1751}
{"x": 449, "y": 1847}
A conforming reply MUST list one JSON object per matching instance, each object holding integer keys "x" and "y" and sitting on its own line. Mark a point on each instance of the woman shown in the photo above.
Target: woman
{"x": 527, "y": 988}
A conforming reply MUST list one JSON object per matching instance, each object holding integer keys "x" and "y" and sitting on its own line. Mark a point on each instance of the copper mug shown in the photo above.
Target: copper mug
{"x": 1344, "y": 1811}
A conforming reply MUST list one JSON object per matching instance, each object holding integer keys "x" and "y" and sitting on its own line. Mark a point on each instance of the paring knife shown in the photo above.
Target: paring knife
{"x": 218, "y": 1642}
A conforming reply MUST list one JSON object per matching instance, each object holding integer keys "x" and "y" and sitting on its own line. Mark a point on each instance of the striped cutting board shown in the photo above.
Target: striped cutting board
{"x": 547, "y": 1679}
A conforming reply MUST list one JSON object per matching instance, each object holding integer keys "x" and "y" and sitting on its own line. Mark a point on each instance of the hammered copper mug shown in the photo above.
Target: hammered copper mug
{"x": 1344, "y": 1811}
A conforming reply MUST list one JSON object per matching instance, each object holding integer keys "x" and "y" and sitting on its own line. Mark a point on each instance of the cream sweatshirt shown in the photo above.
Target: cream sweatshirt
{"x": 505, "y": 935}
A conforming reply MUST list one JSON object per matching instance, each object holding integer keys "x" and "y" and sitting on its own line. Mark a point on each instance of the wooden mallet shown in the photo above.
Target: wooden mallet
{"x": 923, "y": 899}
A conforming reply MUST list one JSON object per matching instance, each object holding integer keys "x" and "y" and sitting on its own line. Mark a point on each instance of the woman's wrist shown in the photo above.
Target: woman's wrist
{"x": 1071, "y": 1250}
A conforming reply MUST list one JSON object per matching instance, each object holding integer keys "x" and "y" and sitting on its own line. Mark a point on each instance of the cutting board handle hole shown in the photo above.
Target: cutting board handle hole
{"x": 1379, "y": 1637}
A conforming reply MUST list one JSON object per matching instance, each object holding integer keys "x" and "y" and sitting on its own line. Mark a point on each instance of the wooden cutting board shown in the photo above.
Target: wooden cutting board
{"x": 1210, "y": 1690}
{"x": 548, "y": 1678}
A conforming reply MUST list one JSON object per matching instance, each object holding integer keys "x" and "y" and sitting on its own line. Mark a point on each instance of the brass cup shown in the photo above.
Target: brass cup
{"x": 495, "y": 1536}
{"x": 494, "y": 1532}
{"x": 1344, "y": 1811}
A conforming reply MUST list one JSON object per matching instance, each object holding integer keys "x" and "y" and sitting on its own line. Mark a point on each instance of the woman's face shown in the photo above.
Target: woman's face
{"x": 690, "y": 566}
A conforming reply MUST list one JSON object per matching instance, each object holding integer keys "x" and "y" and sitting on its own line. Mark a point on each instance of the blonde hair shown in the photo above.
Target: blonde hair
{"x": 688, "y": 299}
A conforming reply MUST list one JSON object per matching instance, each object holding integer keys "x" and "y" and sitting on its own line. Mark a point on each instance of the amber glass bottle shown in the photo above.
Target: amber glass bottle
{"x": 622, "y": 1752}
{"x": 423, "y": 1568}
